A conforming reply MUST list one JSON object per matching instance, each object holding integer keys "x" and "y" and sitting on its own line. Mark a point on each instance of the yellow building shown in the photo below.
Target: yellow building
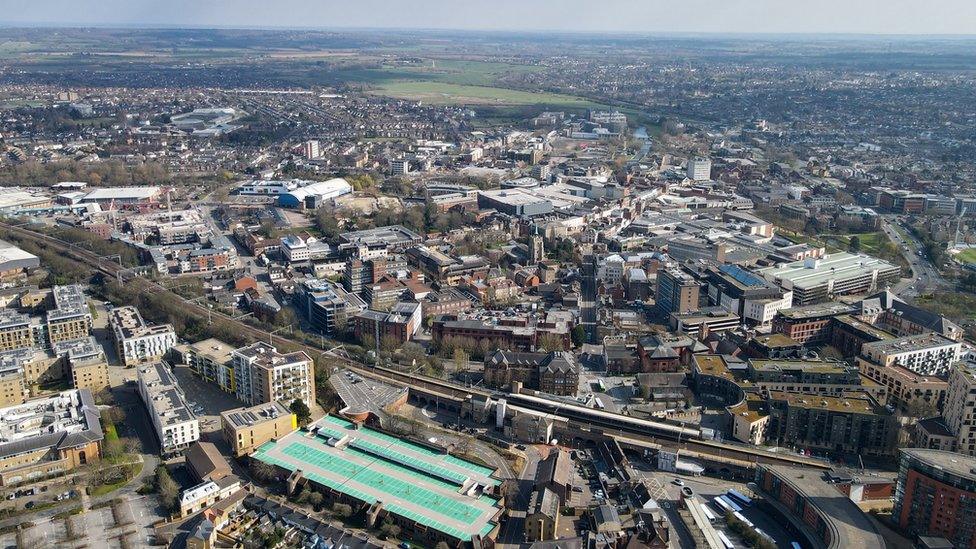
{"x": 70, "y": 319}
{"x": 246, "y": 429}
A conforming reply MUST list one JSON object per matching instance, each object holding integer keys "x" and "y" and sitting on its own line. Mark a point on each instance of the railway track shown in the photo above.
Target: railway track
{"x": 114, "y": 270}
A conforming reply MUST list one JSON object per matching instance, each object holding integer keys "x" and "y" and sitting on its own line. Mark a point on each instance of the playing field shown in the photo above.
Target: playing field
{"x": 966, "y": 256}
{"x": 411, "y": 481}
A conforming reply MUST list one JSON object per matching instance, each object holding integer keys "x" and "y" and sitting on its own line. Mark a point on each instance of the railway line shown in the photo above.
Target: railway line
{"x": 634, "y": 428}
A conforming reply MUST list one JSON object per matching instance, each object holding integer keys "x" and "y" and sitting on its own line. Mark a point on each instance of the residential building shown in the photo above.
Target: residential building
{"x": 212, "y": 360}
{"x": 175, "y": 425}
{"x": 70, "y": 319}
{"x": 809, "y": 324}
{"x": 401, "y": 324}
{"x": 86, "y": 363}
{"x": 246, "y": 429}
{"x": 936, "y": 496}
{"x": 15, "y": 331}
{"x": 911, "y": 394}
{"x": 264, "y": 375}
{"x": 136, "y": 341}
{"x": 959, "y": 410}
{"x": 928, "y": 354}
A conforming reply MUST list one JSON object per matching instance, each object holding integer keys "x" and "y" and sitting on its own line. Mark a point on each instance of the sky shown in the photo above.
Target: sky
{"x": 956, "y": 17}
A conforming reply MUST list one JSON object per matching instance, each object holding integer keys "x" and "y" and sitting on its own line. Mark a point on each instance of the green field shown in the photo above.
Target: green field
{"x": 460, "y": 94}
{"x": 966, "y": 256}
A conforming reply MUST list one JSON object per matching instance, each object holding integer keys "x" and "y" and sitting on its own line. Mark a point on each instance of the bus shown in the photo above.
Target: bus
{"x": 745, "y": 521}
{"x": 709, "y": 514}
{"x": 739, "y": 498}
{"x": 727, "y": 505}
{"x": 598, "y": 404}
{"x": 725, "y": 540}
{"x": 795, "y": 545}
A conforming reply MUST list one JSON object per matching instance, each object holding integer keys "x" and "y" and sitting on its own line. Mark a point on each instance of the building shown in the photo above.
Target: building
{"x": 295, "y": 249}
{"x": 71, "y": 318}
{"x": 556, "y": 373}
{"x": 699, "y": 169}
{"x": 136, "y": 341}
{"x": 49, "y": 436}
{"x": 818, "y": 511}
{"x": 677, "y": 292}
{"x": 515, "y": 202}
{"x": 16, "y": 331}
{"x": 816, "y": 280}
{"x": 376, "y": 242}
{"x": 319, "y": 191}
{"x": 401, "y": 324}
{"x": 928, "y": 354}
{"x": 206, "y": 463}
{"x": 264, "y": 375}
{"x": 936, "y": 496}
{"x": 555, "y": 473}
{"x": 709, "y": 320}
{"x": 439, "y": 266}
{"x": 211, "y": 359}
{"x": 327, "y": 306}
{"x": 911, "y": 394}
{"x": 542, "y": 517}
{"x": 960, "y": 407}
{"x": 247, "y": 429}
{"x": 416, "y": 487}
{"x": 754, "y": 299}
{"x": 86, "y": 363}
{"x": 890, "y": 313}
{"x": 121, "y": 196}
{"x": 809, "y": 324}
{"x": 175, "y": 425}
{"x": 15, "y": 264}
{"x": 205, "y": 494}
{"x": 519, "y": 336}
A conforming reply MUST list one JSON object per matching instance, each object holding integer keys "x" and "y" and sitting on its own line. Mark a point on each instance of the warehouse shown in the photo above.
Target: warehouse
{"x": 317, "y": 192}
{"x": 433, "y": 496}
{"x": 14, "y": 262}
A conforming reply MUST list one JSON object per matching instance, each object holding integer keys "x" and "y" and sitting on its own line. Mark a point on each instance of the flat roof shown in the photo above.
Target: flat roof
{"x": 816, "y": 311}
{"x": 412, "y": 481}
{"x": 810, "y": 273}
{"x": 849, "y": 526}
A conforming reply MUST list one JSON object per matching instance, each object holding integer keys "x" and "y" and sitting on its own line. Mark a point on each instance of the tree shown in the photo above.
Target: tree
{"x": 551, "y": 342}
{"x": 855, "y": 244}
{"x": 389, "y": 530}
{"x": 169, "y": 490}
{"x": 301, "y": 411}
{"x": 315, "y": 499}
{"x": 578, "y": 335}
{"x": 461, "y": 358}
{"x": 261, "y": 471}
{"x": 342, "y": 510}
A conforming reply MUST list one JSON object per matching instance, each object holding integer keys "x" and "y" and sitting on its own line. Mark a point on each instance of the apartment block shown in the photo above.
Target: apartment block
{"x": 212, "y": 360}
{"x": 136, "y": 341}
{"x": 175, "y": 425}
{"x": 246, "y": 429}
{"x": 70, "y": 319}
{"x": 927, "y": 354}
{"x": 264, "y": 375}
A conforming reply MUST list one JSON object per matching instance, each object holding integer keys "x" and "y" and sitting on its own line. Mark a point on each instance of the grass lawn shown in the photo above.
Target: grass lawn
{"x": 459, "y": 94}
{"x": 966, "y": 256}
{"x": 111, "y": 433}
{"x": 103, "y": 489}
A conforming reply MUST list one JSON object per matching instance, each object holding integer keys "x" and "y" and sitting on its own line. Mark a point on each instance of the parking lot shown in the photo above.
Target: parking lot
{"x": 205, "y": 399}
{"x": 102, "y": 527}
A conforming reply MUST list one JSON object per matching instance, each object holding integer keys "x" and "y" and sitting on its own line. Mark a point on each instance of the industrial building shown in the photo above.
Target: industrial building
{"x": 317, "y": 192}
{"x": 15, "y": 263}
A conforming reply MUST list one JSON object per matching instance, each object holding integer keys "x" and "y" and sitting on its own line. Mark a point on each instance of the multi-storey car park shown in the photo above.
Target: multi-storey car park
{"x": 817, "y": 280}
{"x": 433, "y": 496}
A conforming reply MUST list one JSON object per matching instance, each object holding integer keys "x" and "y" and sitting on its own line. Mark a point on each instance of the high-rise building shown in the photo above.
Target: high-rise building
{"x": 959, "y": 409}
{"x": 699, "y": 168}
{"x": 677, "y": 292}
{"x": 310, "y": 149}
{"x": 936, "y": 496}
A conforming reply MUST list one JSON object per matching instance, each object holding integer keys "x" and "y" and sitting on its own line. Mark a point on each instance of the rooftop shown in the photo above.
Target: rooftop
{"x": 412, "y": 481}
{"x": 65, "y": 420}
{"x": 255, "y": 415}
{"x": 810, "y": 273}
{"x": 165, "y": 394}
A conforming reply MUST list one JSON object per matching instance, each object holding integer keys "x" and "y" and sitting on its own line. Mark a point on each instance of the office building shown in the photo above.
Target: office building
{"x": 816, "y": 280}
{"x": 136, "y": 341}
{"x": 49, "y": 436}
{"x": 677, "y": 292}
{"x": 247, "y": 429}
{"x": 754, "y": 299}
{"x": 936, "y": 496}
{"x": 264, "y": 375}
{"x": 175, "y": 425}
{"x": 327, "y": 306}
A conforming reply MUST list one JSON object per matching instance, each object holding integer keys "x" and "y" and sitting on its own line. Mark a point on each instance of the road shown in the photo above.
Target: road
{"x": 925, "y": 277}
{"x": 513, "y": 531}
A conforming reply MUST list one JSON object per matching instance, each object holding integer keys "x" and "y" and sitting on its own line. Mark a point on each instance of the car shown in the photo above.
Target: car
{"x": 577, "y": 488}
{"x": 29, "y": 505}
{"x": 520, "y": 447}
{"x": 678, "y": 482}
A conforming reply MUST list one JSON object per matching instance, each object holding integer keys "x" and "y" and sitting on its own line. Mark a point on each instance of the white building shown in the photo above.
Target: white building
{"x": 400, "y": 166}
{"x": 295, "y": 249}
{"x": 959, "y": 409}
{"x": 926, "y": 354}
{"x": 271, "y": 187}
{"x": 175, "y": 425}
{"x": 263, "y": 375}
{"x": 136, "y": 341}
{"x": 699, "y": 168}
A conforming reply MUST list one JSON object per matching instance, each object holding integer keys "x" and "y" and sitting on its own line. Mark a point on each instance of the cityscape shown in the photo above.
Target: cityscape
{"x": 331, "y": 285}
